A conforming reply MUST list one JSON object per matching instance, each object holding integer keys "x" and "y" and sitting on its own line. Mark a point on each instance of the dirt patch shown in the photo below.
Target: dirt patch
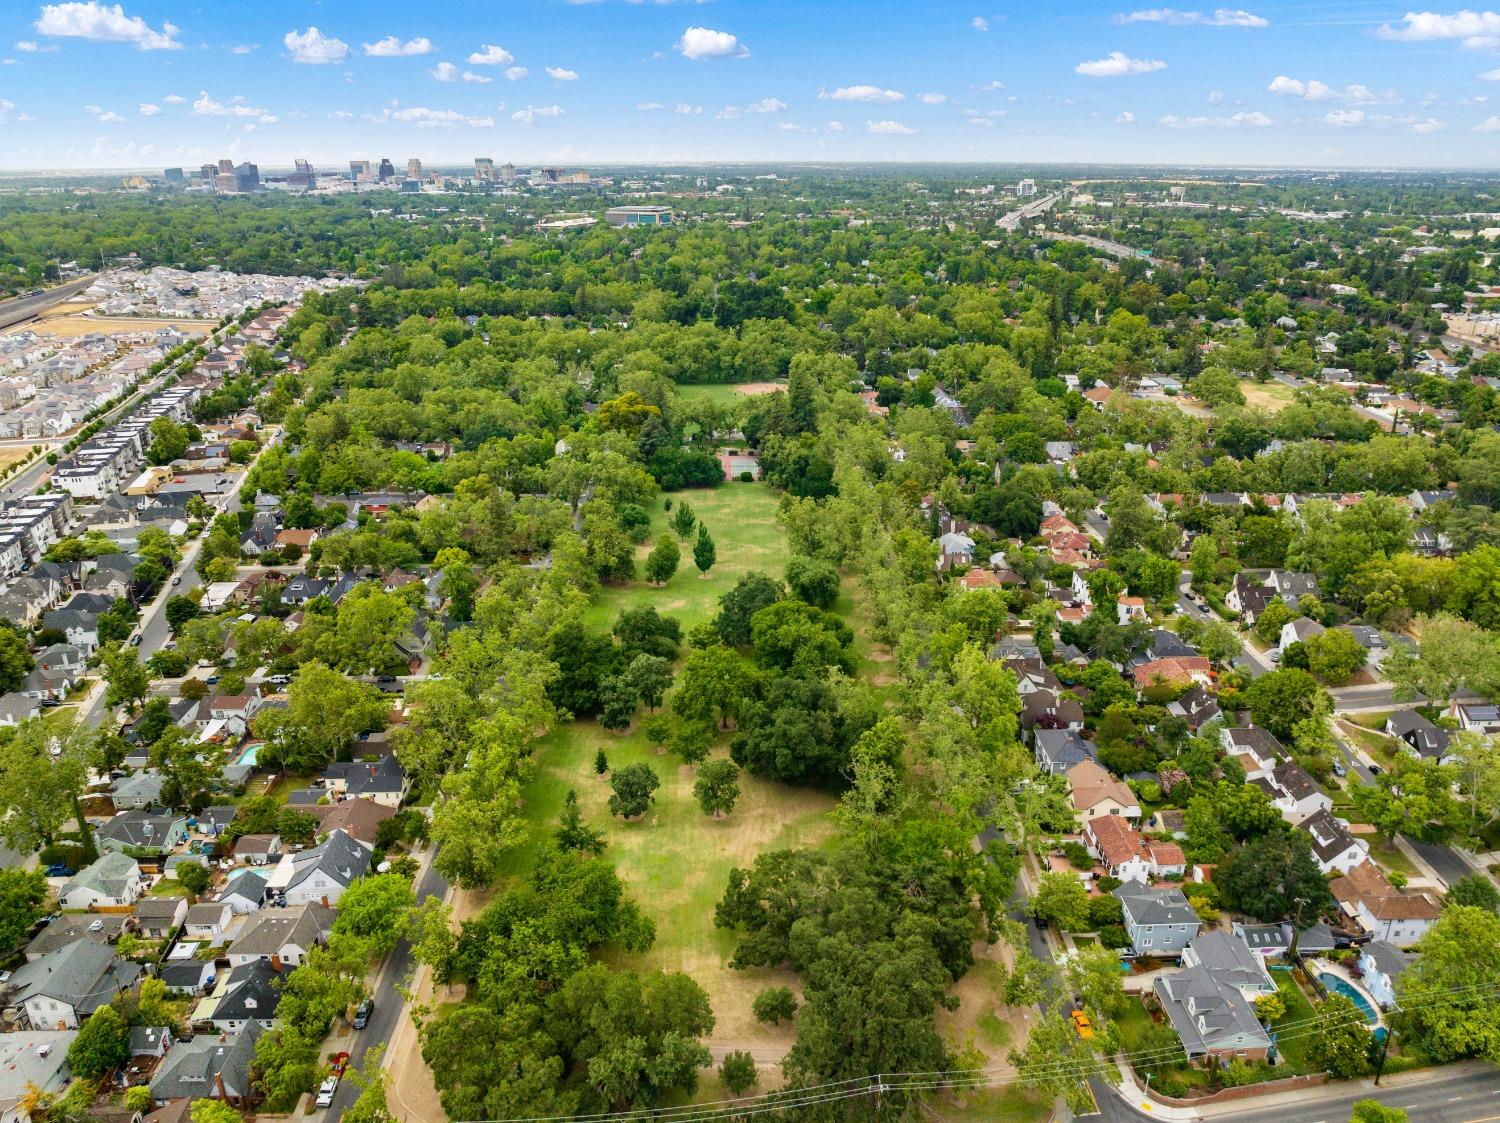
{"x": 70, "y": 325}
{"x": 755, "y": 389}
{"x": 13, "y": 454}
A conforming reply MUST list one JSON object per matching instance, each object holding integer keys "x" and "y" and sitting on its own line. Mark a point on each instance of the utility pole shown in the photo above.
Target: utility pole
{"x": 1296, "y": 927}
{"x": 1385, "y": 1044}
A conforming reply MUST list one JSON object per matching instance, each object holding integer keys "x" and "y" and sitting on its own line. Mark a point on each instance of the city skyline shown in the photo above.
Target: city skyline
{"x": 88, "y": 85}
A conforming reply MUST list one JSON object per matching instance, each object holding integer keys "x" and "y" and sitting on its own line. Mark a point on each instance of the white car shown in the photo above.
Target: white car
{"x": 326, "y": 1091}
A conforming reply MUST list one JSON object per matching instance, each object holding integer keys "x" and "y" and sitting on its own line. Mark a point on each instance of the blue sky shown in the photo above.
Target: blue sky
{"x": 151, "y": 83}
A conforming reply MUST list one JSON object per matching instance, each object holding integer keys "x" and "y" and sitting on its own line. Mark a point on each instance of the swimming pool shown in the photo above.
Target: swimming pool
{"x": 249, "y": 755}
{"x": 1337, "y": 985}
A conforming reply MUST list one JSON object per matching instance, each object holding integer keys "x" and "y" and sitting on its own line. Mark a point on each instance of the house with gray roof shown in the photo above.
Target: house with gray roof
{"x": 1333, "y": 846}
{"x": 1297, "y": 795}
{"x": 207, "y": 1068}
{"x": 16, "y": 708}
{"x": 282, "y": 935}
{"x": 63, "y": 987}
{"x": 1229, "y": 959}
{"x": 1158, "y": 921}
{"x": 1212, "y": 1018}
{"x": 32, "y": 1059}
{"x": 248, "y": 993}
{"x": 1420, "y": 736}
{"x": 244, "y": 891}
{"x": 138, "y": 790}
{"x": 140, "y": 830}
{"x": 1058, "y": 750}
{"x": 102, "y": 928}
{"x": 113, "y": 880}
{"x": 158, "y": 917}
{"x": 322, "y": 873}
{"x": 1381, "y": 963}
{"x": 191, "y": 977}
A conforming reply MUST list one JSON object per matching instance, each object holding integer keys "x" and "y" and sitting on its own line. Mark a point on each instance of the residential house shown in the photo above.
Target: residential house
{"x": 156, "y": 918}
{"x": 1401, "y": 917}
{"x": 1298, "y": 796}
{"x": 244, "y": 890}
{"x": 79, "y": 626}
{"x": 16, "y": 708}
{"x": 102, "y": 928}
{"x": 1212, "y": 1018}
{"x": 1058, "y": 750}
{"x": 1381, "y": 964}
{"x": 1094, "y": 792}
{"x": 321, "y": 873}
{"x": 1290, "y": 586}
{"x": 1377, "y": 646}
{"x": 1422, "y": 737}
{"x": 1129, "y": 608}
{"x": 1128, "y": 856}
{"x": 191, "y": 977}
{"x": 383, "y": 780}
{"x": 208, "y": 920}
{"x": 955, "y": 550}
{"x": 1197, "y": 706}
{"x": 113, "y": 880}
{"x": 138, "y": 790}
{"x": 1230, "y": 960}
{"x": 1255, "y": 748}
{"x": 1159, "y": 921}
{"x": 139, "y": 830}
{"x": 63, "y": 987}
{"x": 258, "y": 849}
{"x": 1333, "y": 846}
{"x": 235, "y": 711}
{"x": 1247, "y": 597}
{"x": 1299, "y": 630}
{"x": 1042, "y": 709}
{"x": 247, "y": 993}
{"x": 1476, "y": 717}
{"x": 282, "y": 935}
{"x": 32, "y": 1061}
{"x": 358, "y": 818}
{"x": 1174, "y": 670}
{"x": 209, "y": 1067}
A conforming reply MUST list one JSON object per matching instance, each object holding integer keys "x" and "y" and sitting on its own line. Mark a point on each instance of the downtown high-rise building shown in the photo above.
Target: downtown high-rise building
{"x": 484, "y": 169}
{"x": 507, "y": 172}
{"x": 359, "y": 171}
{"x": 413, "y": 168}
{"x": 174, "y": 177}
{"x": 387, "y": 170}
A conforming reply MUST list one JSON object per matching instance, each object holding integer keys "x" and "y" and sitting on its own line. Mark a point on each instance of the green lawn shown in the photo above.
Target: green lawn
{"x": 724, "y": 393}
{"x": 1391, "y": 857}
{"x": 741, "y": 519}
{"x": 1293, "y": 1050}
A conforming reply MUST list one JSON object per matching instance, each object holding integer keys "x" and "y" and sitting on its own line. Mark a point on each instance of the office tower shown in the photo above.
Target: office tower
{"x": 359, "y": 170}
{"x": 247, "y": 178}
{"x": 206, "y": 173}
{"x": 414, "y": 168}
{"x": 1026, "y": 187}
{"x": 226, "y": 166}
{"x": 174, "y": 177}
{"x": 225, "y": 183}
{"x": 387, "y": 170}
{"x": 303, "y": 176}
{"x": 507, "y": 172}
{"x": 484, "y": 169}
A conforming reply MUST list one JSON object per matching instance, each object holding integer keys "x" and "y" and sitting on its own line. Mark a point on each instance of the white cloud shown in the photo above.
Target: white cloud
{"x": 148, "y": 110}
{"x": 766, "y": 105}
{"x": 392, "y": 47}
{"x": 32, "y": 47}
{"x": 1487, "y": 76}
{"x": 835, "y": 126}
{"x": 1314, "y": 90}
{"x": 991, "y": 86}
{"x": 793, "y": 127}
{"x": 447, "y": 72}
{"x": 889, "y": 128}
{"x": 562, "y": 74}
{"x": 340, "y": 115}
{"x": 698, "y": 43}
{"x": 206, "y": 106}
{"x": 649, "y": 106}
{"x": 979, "y": 23}
{"x": 1117, "y": 64}
{"x": 1474, "y": 29}
{"x": 529, "y": 115}
{"x": 1125, "y": 117}
{"x": 315, "y": 48}
{"x": 728, "y": 113}
{"x": 932, "y": 99}
{"x": 425, "y": 118}
{"x": 1345, "y": 118}
{"x": 1431, "y": 125}
{"x": 863, "y": 93}
{"x": 1488, "y": 125}
{"x": 986, "y": 119}
{"x": 1253, "y": 120}
{"x": 1219, "y": 17}
{"x": 8, "y": 113}
{"x": 101, "y": 24}
{"x": 175, "y": 99}
{"x": 491, "y": 55}
{"x": 104, "y": 116}
{"x": 244, "y": 48}
{"x": 516, "y": 73}
{"x": 687, "y": 110}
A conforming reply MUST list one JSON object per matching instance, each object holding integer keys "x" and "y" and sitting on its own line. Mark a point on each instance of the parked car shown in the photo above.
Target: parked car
{"x": 1338, "y": 767}
{"x": 177, "y": 579}
{"x": 326, "y": 1091}
{"x": 362, "y": 1013}
{"x": 1082, "y": 1024}
{"x": 339, "y": 1064}
{"x": 135, "y": 640}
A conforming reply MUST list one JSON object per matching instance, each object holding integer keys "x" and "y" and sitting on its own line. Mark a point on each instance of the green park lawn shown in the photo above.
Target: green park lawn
{"x": 721, "y": 392}
{"x": 741, "y": 519}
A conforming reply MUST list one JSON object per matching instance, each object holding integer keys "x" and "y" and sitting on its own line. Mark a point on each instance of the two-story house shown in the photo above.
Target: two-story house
{"x": 1158, "y": 921}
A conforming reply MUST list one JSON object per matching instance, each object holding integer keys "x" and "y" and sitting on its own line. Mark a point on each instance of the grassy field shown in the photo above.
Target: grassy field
{"x": 13, "y": 454}
{"x": 677, "y": 860}
{"x": 726, "y": 393}
{"x": 70, "y": 326}
{"x": 1273, "y": 396}
{"x": 741, "y": 518}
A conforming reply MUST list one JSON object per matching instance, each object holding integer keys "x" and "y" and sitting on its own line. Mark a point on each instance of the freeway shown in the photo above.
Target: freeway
{"x": 1013, "y": 220}
{"x": 23, "y": 308}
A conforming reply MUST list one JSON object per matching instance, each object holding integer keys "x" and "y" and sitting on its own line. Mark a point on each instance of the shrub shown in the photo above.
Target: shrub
{"x": 738, "y": 1071}
{"x": 774, "y": 1005}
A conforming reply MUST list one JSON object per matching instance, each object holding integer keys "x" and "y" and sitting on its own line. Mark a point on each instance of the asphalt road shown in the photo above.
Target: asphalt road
{"x": 388, "y": 1003}
{"x": 1248, "y": 661}
{"x": 22, "y": 308}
